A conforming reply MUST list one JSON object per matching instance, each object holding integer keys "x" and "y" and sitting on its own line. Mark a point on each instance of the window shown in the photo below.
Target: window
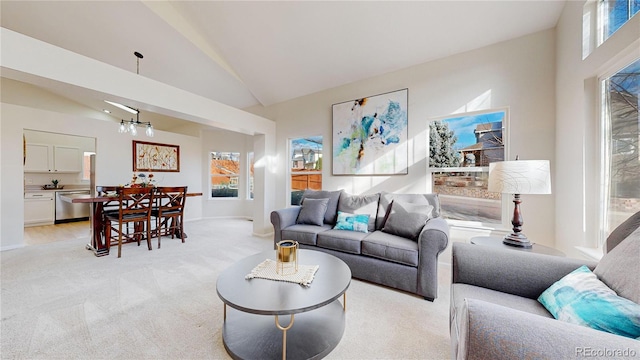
{"x": 621, "y": 155}
{"x": 615, "y": 13}
{"x": 460, "y": 151}
{"x": 306, "y": 166}
{"x": 250, "y": 163}
{"x": 225, "y": 172}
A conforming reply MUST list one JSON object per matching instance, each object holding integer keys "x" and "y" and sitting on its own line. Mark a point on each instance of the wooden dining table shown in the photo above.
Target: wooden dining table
{"x": 97, "y": 204}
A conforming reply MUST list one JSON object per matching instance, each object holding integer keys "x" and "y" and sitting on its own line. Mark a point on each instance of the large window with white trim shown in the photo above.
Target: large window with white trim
{"x": 461, "y": 147}
{"x": 615, "y": 13}
{"x": 224, "y": 174}
{"x": 621, "y": 146}
{"x": 250, "y": 165}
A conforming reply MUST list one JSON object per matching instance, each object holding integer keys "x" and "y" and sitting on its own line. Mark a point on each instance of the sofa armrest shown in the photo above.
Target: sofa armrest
{"x": 490, "y": 331}
{"x": 282, "y": 219}
{"x": 432, "y": 241}
{"x": 510, "y": 271}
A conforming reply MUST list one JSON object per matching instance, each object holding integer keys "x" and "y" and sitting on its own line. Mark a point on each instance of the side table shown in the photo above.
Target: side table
{"x": 496, "y": 241}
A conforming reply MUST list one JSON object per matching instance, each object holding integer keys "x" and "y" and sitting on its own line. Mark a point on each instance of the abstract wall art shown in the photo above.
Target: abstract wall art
{"x": 370, "y": 135}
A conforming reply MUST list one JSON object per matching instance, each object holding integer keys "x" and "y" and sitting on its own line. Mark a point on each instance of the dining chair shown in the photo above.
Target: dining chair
{"x": 134, "y": 206}
{"x": 169, "y": 211}
{"x": 110, "y": 206}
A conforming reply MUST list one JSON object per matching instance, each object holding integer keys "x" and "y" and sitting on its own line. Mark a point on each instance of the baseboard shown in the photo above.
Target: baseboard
{"x": 12, "y": 247}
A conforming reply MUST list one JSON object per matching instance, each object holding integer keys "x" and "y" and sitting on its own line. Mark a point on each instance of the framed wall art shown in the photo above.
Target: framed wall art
{"x": 370, "y": 135}
{"x": 148, "y": 156}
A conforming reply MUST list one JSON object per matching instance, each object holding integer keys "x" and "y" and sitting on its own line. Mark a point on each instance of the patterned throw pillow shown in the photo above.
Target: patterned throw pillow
{"x": 580, "y": 298}
{"x": 353, "y": 222}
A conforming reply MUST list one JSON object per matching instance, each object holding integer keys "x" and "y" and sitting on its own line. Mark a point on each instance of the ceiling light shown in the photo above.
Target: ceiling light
{"x": 131, "y": 126}
{"x": 107, "y": 111}
{"x": 123, "y": 107}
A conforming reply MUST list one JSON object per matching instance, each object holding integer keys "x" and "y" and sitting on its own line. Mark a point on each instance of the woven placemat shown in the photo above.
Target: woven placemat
{"x": 267, "y": 270}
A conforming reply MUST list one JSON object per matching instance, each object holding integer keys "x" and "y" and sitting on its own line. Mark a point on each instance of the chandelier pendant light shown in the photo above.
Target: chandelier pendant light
{"x": 131, "y": 126}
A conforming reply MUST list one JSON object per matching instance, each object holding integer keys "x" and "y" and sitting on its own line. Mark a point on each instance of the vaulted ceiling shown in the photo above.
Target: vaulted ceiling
{"x": 244, "y": 53}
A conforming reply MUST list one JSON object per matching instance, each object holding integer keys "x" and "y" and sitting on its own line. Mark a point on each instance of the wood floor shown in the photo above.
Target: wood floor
{"x": 37, "y": 235}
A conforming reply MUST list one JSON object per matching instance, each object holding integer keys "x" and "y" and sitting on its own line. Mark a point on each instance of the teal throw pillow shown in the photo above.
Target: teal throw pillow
{"x": 580, "y": 298}
{"x": 353, "y": 222}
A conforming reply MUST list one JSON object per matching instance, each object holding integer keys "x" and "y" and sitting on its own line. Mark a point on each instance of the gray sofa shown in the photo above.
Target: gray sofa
{"x": 494, "y": 312}
{"x": 400, "y": 248}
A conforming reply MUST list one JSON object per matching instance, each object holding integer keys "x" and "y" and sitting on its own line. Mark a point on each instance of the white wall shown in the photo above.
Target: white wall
{"x": 577, "y": 147}
{"x": 113, "y": 160}
{"x": 519, "y": 74}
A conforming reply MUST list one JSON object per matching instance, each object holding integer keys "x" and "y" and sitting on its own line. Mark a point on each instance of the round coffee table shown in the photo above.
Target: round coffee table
{"x": 316, "y": 318}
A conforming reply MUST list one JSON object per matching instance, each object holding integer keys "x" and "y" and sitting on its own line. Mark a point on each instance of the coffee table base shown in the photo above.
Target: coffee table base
{"x": 313, "y": 335}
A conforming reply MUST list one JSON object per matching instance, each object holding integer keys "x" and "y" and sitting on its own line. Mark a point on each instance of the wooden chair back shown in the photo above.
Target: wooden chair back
{"x": 169, "y": 212}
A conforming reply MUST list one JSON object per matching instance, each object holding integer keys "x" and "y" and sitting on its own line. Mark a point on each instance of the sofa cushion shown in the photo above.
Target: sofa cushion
{"x": 619, "y": 268}
{"x": 386, "y": 198}
{"x": 312, "y": 211}
{"x": 304, "y": 234}
{"x": 406, "y": 220}
{"x": 360, "y": 204}
{"x": 580, "y": 298}
{"x": 391, "y": 248}
{"x": 352, "y": 222}
{"x": 341, "y": 240}
{"x": 332, "y": 205}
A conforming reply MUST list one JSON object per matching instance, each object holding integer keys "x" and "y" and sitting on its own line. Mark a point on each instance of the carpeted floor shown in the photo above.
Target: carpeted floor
{"x": 59, "y": 301}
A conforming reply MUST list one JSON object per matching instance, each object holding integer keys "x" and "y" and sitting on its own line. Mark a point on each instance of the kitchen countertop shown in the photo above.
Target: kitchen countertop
{"x": 38, "y": 188}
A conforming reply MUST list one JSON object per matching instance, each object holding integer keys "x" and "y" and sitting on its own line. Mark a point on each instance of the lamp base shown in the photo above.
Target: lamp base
{"x": 517, "y": 240}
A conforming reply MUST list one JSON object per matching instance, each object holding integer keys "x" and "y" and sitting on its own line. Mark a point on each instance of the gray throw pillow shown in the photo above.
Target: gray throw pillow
{"x": 332, "y": 205}
{"x": 622, "y": 231}
{"x": 406, "y": 219}
{"x": 312, "y": 211}
{"x": 620, "y": 267}
{"x": 424, "y": 199}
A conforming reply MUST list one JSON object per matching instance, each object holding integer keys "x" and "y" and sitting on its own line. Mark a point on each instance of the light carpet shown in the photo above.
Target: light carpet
{"x": 59, "y": 301}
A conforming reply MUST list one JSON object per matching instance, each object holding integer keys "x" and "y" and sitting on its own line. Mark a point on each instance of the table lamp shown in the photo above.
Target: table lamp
{"x": 519, "y": 177}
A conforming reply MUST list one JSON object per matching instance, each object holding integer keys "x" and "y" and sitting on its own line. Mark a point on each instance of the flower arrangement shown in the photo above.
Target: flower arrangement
{"x": 142, "y": 180}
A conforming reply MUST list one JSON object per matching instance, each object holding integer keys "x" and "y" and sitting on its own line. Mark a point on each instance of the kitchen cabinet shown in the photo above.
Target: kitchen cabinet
{"x": 39, "y": 209}
{"x": 52, "y": 158}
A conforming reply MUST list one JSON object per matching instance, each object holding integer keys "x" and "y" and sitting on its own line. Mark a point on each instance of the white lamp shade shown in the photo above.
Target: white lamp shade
{"x": 520, "y": 177}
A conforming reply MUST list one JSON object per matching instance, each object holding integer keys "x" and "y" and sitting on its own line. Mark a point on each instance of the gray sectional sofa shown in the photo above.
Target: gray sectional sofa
{"x": 393, "y": 239}
{"x": 495, "y": 313}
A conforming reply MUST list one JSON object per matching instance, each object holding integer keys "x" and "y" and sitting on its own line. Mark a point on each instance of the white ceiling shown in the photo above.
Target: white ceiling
{"x": 243, "y": 53}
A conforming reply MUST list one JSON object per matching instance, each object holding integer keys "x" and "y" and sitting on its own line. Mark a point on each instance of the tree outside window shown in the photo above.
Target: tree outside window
{"x": 621, "y": 158}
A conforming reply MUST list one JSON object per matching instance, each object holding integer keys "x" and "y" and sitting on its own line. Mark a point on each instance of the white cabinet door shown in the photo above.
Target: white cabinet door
{"x": 39, "y": 209}
{"x": 67, "y": 159}
{"x": 53, "y": 159}
{"x": 38, "y": 157}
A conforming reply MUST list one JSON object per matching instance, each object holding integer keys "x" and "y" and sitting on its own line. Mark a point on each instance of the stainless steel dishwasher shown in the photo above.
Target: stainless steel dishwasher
{"x": 67, "y": 211}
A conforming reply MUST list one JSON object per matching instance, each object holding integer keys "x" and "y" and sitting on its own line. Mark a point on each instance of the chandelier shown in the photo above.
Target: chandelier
{"x": 131, "y": 126}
